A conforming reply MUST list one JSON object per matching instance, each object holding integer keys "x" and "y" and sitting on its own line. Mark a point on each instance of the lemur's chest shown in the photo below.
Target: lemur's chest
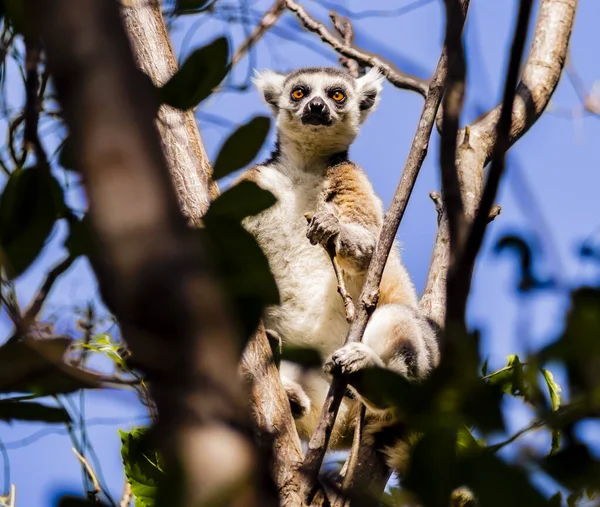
{"x": 311, "y": 312}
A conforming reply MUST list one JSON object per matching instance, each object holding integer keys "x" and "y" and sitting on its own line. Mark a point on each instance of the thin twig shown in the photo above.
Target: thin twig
{"x": 392, "y": 73}
{"x": 370, "y": 291}
{"x": 38, "y": 301}
{"x": 339, "y": 274}
{"x": 89, "y": 470}
{"x": 32, "y": 104}
{"x": 267, "y": 21}
{"x": 352, "y": 462}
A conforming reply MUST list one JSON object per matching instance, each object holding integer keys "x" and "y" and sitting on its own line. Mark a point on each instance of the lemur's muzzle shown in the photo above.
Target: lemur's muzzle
{"x": 316, "y": 112}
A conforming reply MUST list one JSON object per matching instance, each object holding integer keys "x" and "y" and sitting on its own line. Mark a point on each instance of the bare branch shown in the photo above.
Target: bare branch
{"x": 268, "y": 20}
{"x": 541, "y": 73}
{"x": 344, "y": 27}
{"x": 539, "y": 79}
{"x": 186, "y": 342}
{"x": 394, "y": 75}
{"x": 461, "y": 267}
{"x": 32, "y": 104}
{"x": 370, "y": 291}
{"x": 32, "y": 312}
{"x": 181, "y": 140}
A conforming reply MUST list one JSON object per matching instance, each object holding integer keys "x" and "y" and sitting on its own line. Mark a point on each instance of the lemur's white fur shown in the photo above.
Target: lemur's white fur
{"x": 307, "y": 175}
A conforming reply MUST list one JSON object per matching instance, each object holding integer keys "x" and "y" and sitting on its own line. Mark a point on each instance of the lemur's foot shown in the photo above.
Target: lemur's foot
{"x": 352, "y": 358}
{"x": 299, "y": 400}
{"x": 322, "y": 227}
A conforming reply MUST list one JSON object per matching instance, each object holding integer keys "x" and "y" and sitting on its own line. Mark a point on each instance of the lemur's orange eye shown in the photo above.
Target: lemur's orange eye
{"x": 338, "y": 96}
{"x": 298, "y": 93}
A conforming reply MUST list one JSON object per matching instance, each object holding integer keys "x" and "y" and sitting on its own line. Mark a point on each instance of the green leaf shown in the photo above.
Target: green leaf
{"x": 15, "y": 13}
{"x": 244, "y": 270}
{"x": 190, "y": 6}
{"x": 203, "y": 71}
{"x": 38, "y": 366}
{"x": 31, "y": 411}
{"x": 498, "y": 484}
{"x": 102, "y": 343}
{"x": 31, "y": 202}
{"x": 80, "y": 240}
{"x": 240, "y": 201}
{"x": 578, "y": 347}
{"x": 554, "y": 391}
{"x": 574, "y": 467}
{"x": 432, "y": 470}
{"x": 553, "y": 388}
{"x": 511, "y": 378}
{"x": 384, "y": 388}
{"x": 66, "y": 156}
{"x": 142, "y": 463}
{"x": 467, "y": 442}
{"x": 242, "y": 146}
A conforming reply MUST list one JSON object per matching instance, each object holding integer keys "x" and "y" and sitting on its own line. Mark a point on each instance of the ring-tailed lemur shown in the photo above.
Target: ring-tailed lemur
{"x": 319, "y": 112}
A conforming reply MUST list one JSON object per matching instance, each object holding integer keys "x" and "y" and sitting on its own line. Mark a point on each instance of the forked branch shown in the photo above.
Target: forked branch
{"x": 394, "y": 75}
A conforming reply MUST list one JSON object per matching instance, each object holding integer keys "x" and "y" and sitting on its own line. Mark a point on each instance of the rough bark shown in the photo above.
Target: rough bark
{"x": 540, "y": 76}
{"x": 184, "y": 342}
{"x": 277, "y": 430}
{"x": 181, "y": 140}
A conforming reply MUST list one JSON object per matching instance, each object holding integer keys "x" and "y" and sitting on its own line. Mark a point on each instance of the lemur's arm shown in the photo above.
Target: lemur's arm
{"x": 350, "y": 215}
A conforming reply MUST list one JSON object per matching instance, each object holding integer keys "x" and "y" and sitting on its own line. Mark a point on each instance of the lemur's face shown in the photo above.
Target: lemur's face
{"x": 320, "y": 99}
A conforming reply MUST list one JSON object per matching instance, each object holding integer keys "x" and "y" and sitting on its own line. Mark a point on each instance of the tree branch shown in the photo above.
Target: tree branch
{"x": 32, "y": 312}
{"x": 185, "y": 341}
{"x": 540, "y": 76}
{"x": 370, "y": 291}
{"x": 276, "y": 426}
{"x": 267, "y": 21}
{"x": 183, "y": 146}
{"x": 181, "y": 140}
{"x": 459, "y": 279}
{"x": 126, "y": 497}
{"x": 32, "y": 101}
{"x": 394, "y": 75}
{"x": 541, "y": 73}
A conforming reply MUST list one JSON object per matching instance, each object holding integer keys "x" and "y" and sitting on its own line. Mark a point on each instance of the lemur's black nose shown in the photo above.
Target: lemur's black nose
{"x": 316, "y": 105}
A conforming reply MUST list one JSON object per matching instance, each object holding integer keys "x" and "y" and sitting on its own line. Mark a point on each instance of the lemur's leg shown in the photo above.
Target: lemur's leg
{"x": 396, "y": 337}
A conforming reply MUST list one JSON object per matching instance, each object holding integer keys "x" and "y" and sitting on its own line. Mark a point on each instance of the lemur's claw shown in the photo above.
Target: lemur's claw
{"x": 323, "y": 226}
{"x": 352, "y": 358}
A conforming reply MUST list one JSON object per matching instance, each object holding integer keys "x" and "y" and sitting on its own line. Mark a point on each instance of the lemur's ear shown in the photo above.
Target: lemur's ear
{"x": 369, "y": 89}
{"x": 270, "y": 86}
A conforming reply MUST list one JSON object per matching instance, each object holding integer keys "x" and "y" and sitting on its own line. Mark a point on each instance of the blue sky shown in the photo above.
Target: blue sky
{"x": 549, "y": 194}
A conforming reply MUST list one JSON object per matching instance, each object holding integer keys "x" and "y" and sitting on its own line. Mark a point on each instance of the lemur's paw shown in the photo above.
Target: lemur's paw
{"x": 352, "y": 358}
{"x": 299, "y": 400}
{"x": 322, "y": 227}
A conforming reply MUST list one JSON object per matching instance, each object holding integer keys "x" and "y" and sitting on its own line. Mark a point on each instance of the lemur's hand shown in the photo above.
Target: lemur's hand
{"x": 351, "y": 358}
{"x": 323, "y": 226}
